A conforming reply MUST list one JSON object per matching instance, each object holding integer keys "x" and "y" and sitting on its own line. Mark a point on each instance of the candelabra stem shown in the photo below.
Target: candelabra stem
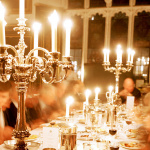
{"x": 21, "y": 131}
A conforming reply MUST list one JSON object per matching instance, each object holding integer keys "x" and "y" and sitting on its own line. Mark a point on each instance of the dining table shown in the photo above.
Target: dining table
{"x": 81, "y": 127}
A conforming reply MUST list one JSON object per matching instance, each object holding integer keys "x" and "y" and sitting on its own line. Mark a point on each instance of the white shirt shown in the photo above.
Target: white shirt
{"x": 2, "y": 120}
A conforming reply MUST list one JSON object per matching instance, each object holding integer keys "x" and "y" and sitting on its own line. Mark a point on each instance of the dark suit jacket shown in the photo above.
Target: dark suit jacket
{"x": 10, "y": 115}
{"x": 135, "y": 93}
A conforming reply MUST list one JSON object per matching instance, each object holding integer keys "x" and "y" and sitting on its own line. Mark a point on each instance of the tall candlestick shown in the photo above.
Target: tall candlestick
{"x": 69, "y": 101}
{"x": 21, "y": 8}
{"x": 54, "y": 22}
{"x": 2, "y": 25}
{"x": 36, "y": 28}
{"x": 67, "y": 25}
{"x": 97, "y": 90}
{"x": 87, "y": 94}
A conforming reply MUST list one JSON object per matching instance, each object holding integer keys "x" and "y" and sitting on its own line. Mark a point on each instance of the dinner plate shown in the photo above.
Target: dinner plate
{"x": 31, "y": 138}
{"x": 131, "y": 145}
{"x": 31, "y": 145}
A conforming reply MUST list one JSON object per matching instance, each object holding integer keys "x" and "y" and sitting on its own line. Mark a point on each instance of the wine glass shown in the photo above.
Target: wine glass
{"x": 113, "y": 132}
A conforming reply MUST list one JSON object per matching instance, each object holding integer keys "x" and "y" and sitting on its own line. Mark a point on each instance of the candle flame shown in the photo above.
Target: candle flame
{"x": 133, "y": 52}
{"x": 36, "y": 26}
{"x": 79, "y": 73}
{"x": 129, "y": 50}
{"x": 97, "y": 90}
{"x": 105, "y": 50}
{"x": 54, "y": 18}
{"x": 69, "y": 100}
{"x": 68, "y": 23}
{"x": 88, "y": 92}
{"x": 119, "y": 46}
{"x": 110, "y": 88}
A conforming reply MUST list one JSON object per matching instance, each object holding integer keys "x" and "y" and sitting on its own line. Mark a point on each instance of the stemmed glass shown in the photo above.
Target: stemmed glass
{"x": 113, "y": 132}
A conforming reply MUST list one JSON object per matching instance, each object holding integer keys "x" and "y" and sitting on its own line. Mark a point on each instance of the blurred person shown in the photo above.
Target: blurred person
{"x": 42, "y": 107}
{"x": 129, "y": 90}
{"x": 8, "y": 112}
{"x": 75, "y": 89}
{"x": 146, "y": 100}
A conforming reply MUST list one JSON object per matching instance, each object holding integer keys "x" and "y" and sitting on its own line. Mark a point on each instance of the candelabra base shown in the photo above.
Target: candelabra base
{"x": 21, "y": 145}
{"x": 117, "y": 99}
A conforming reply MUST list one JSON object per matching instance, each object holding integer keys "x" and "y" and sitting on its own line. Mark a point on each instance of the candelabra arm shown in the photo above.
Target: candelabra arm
{"x": 13, "y": 48}
{"x": 48, "y": 82}
{"x": 33, "y": 50}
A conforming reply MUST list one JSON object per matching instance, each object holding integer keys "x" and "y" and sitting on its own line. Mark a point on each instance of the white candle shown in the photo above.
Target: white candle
{"x": 119, "y": 54}
{"x": 108, "y": 51}
{"x": 132, "y": 54}
{"x": 69, "y": 101}
{"x": 79, "y": 74}
{"x": 105, "y": 53}
{"x": 97, "y": 90}
{"x": 2, "y": 25}
{"x": 36, "y": 28}
{"x": 87, "y": 94}
{"x": 21, "y": 8}
{"x": 129, "y": 54}
{"x": 110, "y": 91}
{"x": 54, "y": 23}
{"x": 67, "y": 25}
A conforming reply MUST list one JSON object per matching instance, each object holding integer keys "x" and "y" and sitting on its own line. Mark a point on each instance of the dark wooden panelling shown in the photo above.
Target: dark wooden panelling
{"x": 142, "y": 30}
{"x": 120, "y": 2}
{"x": 77, "y": 33}
{"x": 97, "y": 3}
{"x": 142, "y": 2}
{"x": 96, "y": 38}
{"x": 12, "y": 6}
{"x": 75, "y": 4}
{"x": 119, "y": 34}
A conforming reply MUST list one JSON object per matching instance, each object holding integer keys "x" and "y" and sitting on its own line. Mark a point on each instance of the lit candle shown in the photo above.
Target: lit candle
{"x": 87, "y": 94}
{"x": 97, "y": 90}
{"x": 105, "y": 54}
{"x": 132, "y": 55}
{"x": 110, "y": 91}
{"x": 142, "y": 68}
{"x": 21, "y": 8}
{"x": 67, "y": 25}
{"x": 54, "y": 22}
{"x": 129, "y": 54}
{"x": 119, "y": 54}
{"x": 108, "y": 51}
{"x": 79, "y": 74}
{"x": 2, "y": 25}
{"x": 36, "y": 28}
{"x": 69, "y": 101}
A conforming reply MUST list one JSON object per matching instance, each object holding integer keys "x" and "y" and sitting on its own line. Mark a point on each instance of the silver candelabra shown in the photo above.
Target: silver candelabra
{"x": 118, "y": 69}
{"x": 25, "y": 71}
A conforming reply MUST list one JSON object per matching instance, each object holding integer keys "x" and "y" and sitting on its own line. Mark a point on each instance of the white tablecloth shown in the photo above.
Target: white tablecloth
{"x": 79, "y": 143}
